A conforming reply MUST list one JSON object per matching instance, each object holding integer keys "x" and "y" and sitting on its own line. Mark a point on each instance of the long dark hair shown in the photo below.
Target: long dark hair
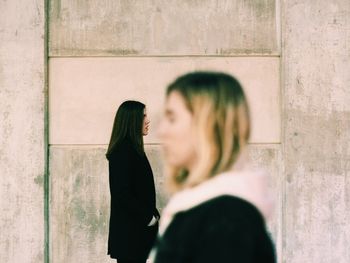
{"x": 128, "y": 123}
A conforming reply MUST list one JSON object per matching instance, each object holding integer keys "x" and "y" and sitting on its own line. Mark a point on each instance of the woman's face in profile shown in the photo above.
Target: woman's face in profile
{"x": 146, "y": 122}
{"x": 176, "y": 133}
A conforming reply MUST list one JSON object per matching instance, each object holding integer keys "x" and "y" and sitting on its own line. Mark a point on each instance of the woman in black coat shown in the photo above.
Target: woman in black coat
{"x": 134, "y": 218}
{"x": 219, "y": 205}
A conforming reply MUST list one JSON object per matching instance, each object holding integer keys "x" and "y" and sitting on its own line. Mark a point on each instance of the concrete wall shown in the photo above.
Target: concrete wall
{"x": 162, "y": 27}
{"x": 292, "y": 56}
{"x": 79, "y": 135}
{"x": 316, "y": 70}
{"x": 84, "y": 95}
{"x": 22, "y": 140}
{"x": 102, "y": 54}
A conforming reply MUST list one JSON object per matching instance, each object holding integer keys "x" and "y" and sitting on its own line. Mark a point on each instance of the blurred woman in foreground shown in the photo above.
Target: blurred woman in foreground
{"x": 218, "y": 210}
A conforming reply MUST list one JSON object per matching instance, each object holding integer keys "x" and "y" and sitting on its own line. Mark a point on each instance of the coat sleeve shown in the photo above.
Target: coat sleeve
{"x": 120, "y": 177}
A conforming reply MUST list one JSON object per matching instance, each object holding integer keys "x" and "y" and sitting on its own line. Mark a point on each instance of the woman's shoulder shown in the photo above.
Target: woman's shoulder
{"x": 217, "y": 224}
{"x": 123, "y": 148}
{"x": 223, "y": 201}
{"x": 221, "y": 212}
{"x": 226, "y": 216}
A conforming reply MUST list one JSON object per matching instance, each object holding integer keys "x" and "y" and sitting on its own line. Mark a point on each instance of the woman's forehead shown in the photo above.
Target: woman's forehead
{"x": 175, "y": 99}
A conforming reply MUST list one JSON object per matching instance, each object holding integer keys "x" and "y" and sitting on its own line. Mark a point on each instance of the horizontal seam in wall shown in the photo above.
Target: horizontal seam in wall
{"x": 173, "y": 56}
{"x": 105, "y": 145}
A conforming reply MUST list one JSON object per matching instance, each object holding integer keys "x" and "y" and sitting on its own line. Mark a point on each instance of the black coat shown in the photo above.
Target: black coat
{"x": 133, "y": 204}
{"x": 225, "y": 229}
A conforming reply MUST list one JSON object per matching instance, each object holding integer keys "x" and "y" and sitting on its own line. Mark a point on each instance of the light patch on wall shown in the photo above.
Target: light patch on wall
{"x": 86, "y": 92}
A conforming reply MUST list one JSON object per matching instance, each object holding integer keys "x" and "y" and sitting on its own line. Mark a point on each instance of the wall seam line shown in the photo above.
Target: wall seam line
{"x": 46, "y": 137}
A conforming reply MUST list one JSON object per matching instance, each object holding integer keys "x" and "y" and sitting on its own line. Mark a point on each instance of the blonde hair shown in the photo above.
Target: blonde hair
{"x": 221, "y": 125}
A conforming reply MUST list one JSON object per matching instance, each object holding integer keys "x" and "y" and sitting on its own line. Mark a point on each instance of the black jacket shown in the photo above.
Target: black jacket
{"x": 221, "y": 230}
{"x": 133, "y": 204}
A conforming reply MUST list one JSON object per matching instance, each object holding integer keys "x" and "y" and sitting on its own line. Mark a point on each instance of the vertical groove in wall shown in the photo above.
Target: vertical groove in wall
{"x": 46, "y": 138}
{"x": 278, "y": 23}
{"x": 281, "y": 16}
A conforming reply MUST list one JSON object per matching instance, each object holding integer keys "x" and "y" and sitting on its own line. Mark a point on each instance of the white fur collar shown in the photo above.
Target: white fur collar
{"x": 251, "y": 186}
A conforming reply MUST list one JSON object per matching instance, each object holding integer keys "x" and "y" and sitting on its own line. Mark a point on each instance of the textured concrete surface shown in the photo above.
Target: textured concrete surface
{"x": 312, "y": 157}
{"x": 22, "y": 156}
{"x": 268, "y": 157}
{"x": 86, "y": 92}
{"x": 80, "y": 202}
{"x": 80, "y": 198}
{"x": 316, "y": 69}
{"x": 79, "y": 210}
{"x": 162, "y": 27}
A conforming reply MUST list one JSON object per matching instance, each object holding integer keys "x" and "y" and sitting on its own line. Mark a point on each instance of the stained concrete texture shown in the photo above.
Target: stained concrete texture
{"x": 80, "y": 198}
{"x": 269, "y": 159}
{"x": 80, "y": 202}
{"x": 22, "y": 154}
{"x": 161, "y": 27}
{"x": 86, "y": 92}
{"x": 316, "y": 40}
{"x": 79, "y": 205}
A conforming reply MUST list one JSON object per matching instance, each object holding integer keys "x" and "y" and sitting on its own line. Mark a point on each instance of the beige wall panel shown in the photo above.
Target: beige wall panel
{"x": 79, "y": 205}
{"x": 80, "y": 198}
{"x": 269, "y": 158}
{"x": 22, "y": 155}
{"x": 161, "y": 27}
{"x": 85, "y": 93}
{"x": 316, "y": 66}
{"x": 80, "y": 202}
{"x": 155, "y": 156}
